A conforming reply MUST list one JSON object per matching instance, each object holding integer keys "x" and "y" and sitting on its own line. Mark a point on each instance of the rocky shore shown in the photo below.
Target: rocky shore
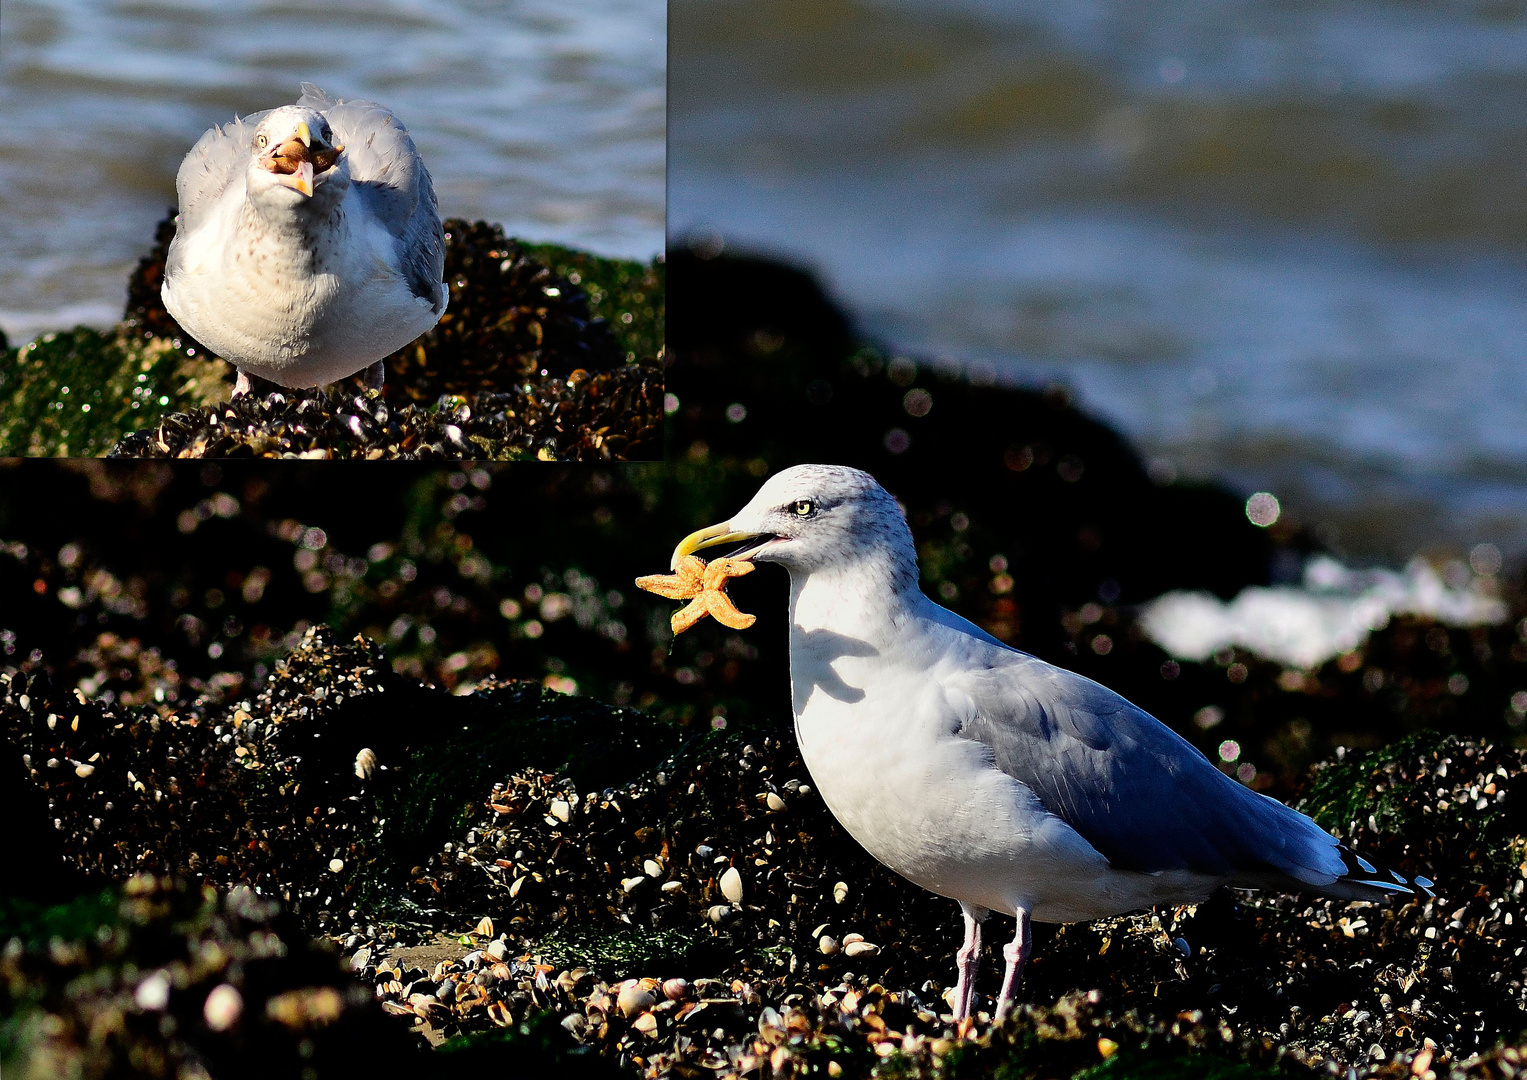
{"x": 544, "y": 353}
{"x": 467, "y": 767}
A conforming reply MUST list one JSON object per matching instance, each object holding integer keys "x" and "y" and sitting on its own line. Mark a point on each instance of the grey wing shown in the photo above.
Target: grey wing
{"x": 1142, "y": 795}
{"x": 218, "y": 160}
{"x": 389, "y": 178}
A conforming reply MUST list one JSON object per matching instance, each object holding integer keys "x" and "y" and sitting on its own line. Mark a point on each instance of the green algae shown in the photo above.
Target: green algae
{"x": 629, "y": 295}
{"x": 78, "y": 392}
{"x": 1392, "y": 793}
{"x": 628, "y": 953}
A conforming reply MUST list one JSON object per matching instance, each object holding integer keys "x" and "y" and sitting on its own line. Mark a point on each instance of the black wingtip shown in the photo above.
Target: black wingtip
{"x": 1361, "y": 871}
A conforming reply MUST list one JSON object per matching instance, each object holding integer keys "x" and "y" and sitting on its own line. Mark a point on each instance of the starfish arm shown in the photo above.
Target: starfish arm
{"x": 685, "y": 583}
{"x": 724, "y": 611}
{"x": 688, "y": 615}
{"x": 717, "y": 573}
{"x": 673, "y": 586}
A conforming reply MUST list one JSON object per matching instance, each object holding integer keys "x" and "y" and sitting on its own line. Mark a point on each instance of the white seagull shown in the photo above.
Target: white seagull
{"x": 308, "y": 245}
{"x": 984, "y": 774}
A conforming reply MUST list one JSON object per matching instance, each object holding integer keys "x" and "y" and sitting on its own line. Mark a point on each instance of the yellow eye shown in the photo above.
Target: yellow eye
{"x": 804, "y": 507}
{"x": 260, "y": 141}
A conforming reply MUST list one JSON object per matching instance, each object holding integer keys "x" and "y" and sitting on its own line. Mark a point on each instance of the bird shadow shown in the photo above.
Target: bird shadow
{"x": 826, "y": 646}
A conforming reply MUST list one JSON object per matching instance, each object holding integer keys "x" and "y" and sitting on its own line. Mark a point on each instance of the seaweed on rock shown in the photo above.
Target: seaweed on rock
{"x": 544, "y": 352}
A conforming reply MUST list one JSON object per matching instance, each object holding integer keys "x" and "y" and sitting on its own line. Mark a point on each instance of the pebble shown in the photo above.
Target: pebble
{"x": 153, "y": 993}
{"x": 223, "y": 1007}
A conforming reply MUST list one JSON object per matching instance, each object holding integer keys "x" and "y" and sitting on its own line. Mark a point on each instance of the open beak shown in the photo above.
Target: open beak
{"x": 715, "y": 536}
{"x": 295, "y": 161}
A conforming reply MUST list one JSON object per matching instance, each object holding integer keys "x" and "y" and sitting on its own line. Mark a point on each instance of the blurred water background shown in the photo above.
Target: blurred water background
{"x": 546, "y": 117}
{"x": 1279, "y": 243}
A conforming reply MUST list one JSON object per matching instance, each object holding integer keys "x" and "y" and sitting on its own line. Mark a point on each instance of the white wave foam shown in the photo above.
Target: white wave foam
{"x": 1333, "y": 612}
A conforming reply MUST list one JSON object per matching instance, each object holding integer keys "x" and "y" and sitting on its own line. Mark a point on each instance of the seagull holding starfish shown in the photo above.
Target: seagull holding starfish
{"x": 984, "y": 774}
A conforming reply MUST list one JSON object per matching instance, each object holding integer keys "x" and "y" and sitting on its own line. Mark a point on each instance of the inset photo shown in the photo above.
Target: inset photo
{"x": 353, "y": 231}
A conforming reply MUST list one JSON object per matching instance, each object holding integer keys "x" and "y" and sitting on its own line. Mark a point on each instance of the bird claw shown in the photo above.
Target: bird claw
{"x": 703, "y": 585}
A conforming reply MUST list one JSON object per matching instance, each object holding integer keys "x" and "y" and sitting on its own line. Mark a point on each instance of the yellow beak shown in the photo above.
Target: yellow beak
{"x": 304, "y": 134}
{"x": 712, "y": 536}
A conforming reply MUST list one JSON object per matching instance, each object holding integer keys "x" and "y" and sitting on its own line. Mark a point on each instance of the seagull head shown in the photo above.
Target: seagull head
{"x": 811, "y": 518}
{"x": 294, "y": 159}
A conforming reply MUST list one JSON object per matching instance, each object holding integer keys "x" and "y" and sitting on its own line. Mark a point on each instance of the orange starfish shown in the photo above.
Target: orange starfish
{"x": 703, "y": 585}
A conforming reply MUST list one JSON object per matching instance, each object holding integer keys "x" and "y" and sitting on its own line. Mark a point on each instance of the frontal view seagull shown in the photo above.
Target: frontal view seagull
{"x": 984, "y": 774}
{"x": 308, "y": 245}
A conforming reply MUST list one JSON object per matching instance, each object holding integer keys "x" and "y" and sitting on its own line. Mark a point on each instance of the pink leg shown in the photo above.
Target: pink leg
{"x": 968, "y": 959}
{"x": 376, "y": 374}
{"x": 1016, "y": 953}
{"x": 241, "y": 387}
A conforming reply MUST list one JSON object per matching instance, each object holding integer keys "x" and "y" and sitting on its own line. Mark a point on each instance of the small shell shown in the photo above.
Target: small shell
{"x": 83, "y": 771}
{"x": 497, "y": 950}
{"x": 562, "y": 810}
{"x": 484, "y": 928}
{"x": 631, "y": 884}
{"x": 646, "y": 1023}
{"x": 652, "y": 868}
{"x": 840, "y": 891}
{"x": 672, "y": 886}
{"x": 774, "y": 802}
{"x": 675, "y": 989}
{"x": 731, "y": 885}
{"x": 365, "y": 763}
{"x": 336, "y": 865}
{"x": 828, "y": 944}
{"x": 861, "y": 948}
{"x": 634, "y": 998}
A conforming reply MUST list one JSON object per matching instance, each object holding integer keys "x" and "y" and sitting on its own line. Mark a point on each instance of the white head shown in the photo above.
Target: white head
{"x": 295, "y": 163}
{"x": 813, "y": 518}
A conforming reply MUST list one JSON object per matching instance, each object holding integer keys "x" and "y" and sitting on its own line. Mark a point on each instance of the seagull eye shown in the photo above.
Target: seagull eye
{"x": 804, "y": 507}
{"x": 260, "y": 141}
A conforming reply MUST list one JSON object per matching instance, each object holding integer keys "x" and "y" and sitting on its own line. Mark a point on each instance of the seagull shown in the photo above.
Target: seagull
{"x": 984, "y": 774}
{"x": 308, "y": 244}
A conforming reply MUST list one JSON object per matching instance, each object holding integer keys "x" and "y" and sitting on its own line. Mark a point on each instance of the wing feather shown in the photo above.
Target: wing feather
{"x": 388, "y": 177}
{"x": 1142, "y": 795}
